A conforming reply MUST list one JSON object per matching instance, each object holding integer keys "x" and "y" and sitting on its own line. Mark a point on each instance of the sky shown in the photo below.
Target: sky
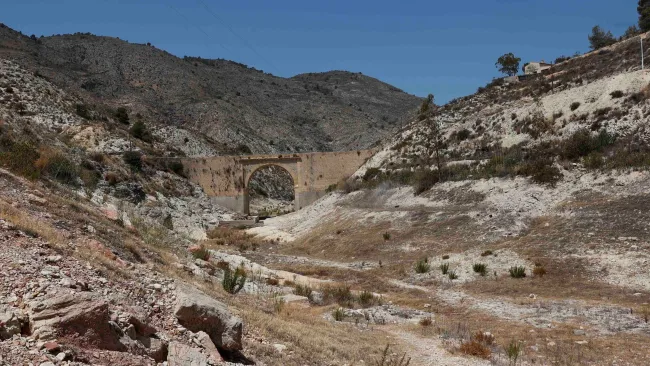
{"x": 447, "y": 48}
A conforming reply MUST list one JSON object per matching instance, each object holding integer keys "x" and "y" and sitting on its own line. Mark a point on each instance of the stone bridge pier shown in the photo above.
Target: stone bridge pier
{"x": 227, "y": 177}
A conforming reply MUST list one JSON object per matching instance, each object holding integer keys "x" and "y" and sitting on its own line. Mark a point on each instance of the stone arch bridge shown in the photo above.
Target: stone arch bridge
{"x": 227, "y": 177}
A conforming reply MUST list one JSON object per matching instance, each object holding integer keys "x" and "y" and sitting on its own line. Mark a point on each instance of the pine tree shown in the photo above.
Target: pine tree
{"x": 644, "y": 15}
{"x": 600, "y": 38}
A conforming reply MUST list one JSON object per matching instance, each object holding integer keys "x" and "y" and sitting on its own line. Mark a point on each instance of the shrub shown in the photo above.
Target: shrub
{"x": 426, "y": 322}
{"x": 463, "y": 134}
{"x": 140, "y": 132}
{"x": 616, "y": 94}
{"x": 278, "y": 304}
{"x": 444, "y": 268}
{"x": 425, "y": 179}
{"x": 122, "y": 115}
{"x": 367, "y": 299}
{"x": 480, "y": 268}
{"x": 574, "y": 106}
{"x": 371, "y": 173}
{"x": 112, "y": 178}
{"x": 539, "y": 271}
{"x": 476, "y": 349}
{"x": 83, "y": 111}
{"x": 452, "y": 275}
{"x": 513, "y": 350}
{"x": 338, "y": 314}
{"x": 386, "y": 236}
{"x": 233, "y": 282}
{"x": 303, "y": 290}
{"x": 594, "y": 161}
{"x": 200, "y": 252}
{"x": 341, "y": 295}
{"x": 57, "y": 166}
{"x": 542, "y": 171}
{"x": 133, "y": 159}
{"x": 422, "y": 266}
{"x": 517, "y": 272}
{"x": 19, "y": 157}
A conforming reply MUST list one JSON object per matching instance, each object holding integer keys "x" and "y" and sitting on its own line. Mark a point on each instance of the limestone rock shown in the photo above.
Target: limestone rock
{"x": 204, "y": 340}
{"x": 78, "y": 317}
{"x": 197, "y": 311}
{"x": 9, "y": 324}
{"x": 182, "y": 355}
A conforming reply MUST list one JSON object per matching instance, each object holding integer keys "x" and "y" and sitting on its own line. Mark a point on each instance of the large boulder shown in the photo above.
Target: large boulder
{"x": 197, "y": 312}
{"x": 182, "y": 355}
{"x": 79, "y": 318}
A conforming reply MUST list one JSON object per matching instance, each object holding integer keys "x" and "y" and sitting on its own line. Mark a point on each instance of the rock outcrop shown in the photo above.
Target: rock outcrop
{"x": 78, "y": 318}
{"x": 198, "y": 312}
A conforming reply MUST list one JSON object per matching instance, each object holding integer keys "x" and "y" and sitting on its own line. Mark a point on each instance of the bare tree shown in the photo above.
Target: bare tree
{"x": 434, "y": 146}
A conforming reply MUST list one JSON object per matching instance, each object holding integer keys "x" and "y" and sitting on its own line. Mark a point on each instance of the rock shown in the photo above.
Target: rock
{"x": 139, "y": 319}
{"x": 51, "y": 346}
{"x": 61, "y": 356}
{"x": 279, "y": 347}
{"x": 182, "y": 355}
{"x": 198, "y": 312}
{"x": 53, "y": 259}
{"x": 579, "y": 332}
{"x": 291, "y": 298}
{"x": 47, "y": 364}
{"x": 581, "y": 342}
{"x": 203, "y": 339}
{"x": 79, "y": 318}
{"x": 9, "y": 324}
{"x": 155, "y": 348}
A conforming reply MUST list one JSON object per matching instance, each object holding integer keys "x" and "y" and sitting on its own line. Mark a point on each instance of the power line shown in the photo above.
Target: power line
{"x": 242, "y": 39}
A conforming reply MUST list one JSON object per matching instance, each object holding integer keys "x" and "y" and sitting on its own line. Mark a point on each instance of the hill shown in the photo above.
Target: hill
{"x": 225, "y": 105}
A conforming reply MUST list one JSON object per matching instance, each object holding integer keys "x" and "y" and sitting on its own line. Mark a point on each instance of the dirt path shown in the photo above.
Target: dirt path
{"x": 431, "y": 352}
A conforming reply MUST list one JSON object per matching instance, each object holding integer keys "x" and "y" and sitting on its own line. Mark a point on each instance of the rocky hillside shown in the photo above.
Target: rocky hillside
{"x": 591, "y": 110}
{"x": 215, "y": 106}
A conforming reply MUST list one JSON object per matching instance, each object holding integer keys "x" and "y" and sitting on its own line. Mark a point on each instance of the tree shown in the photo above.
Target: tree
{"x": 631, "y": 31}
{"x": 600, "y": 38}
{"x": 644, "y": 15}
{"x": 122, "y": 115}
{"x": 508, "y": 64}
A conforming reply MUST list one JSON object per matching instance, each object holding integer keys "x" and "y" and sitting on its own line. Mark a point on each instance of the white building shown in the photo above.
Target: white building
{"x": 536, "y": 67}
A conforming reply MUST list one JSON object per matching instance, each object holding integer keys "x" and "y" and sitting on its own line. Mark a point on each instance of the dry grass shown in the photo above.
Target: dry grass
{"x": 31, "y": 225}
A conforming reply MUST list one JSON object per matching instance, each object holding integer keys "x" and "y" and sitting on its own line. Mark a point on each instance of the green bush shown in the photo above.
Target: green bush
{"x": 133, "y": 159}
{"x": 303, "y": 290}
{"x": 425, "y": 179}
{"x": 233, "y": 282}
{"x": 338, "y": 314}
{"x": 122, "y": 115}
{"x": 444, "y": 268}
{"x": 341, "y": 295}
{"x": 58, "y": 167}
{"x": 367, "y": 299}
{"x": 574, "y": 106}
{"x": 480, "y": 268}
{"x": 371, "y": 173}
{"x": 422, "y": 266}
{"x": 19, "y": 157}
{"x": 386, "y": 236}
{"x": 616, "y": 94}
{"x": 542, "y": 171}
{"x": 517, "y": 272}
{"x": 83, "y": 111}
{"x": 140, "y": 132}
{"x": 452, "y": 275}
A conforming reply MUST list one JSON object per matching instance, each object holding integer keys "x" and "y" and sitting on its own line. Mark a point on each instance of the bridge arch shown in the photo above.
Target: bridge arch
{"x": 283, "y": 179}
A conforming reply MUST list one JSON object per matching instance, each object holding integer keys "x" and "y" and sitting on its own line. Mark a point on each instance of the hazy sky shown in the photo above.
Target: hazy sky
{"x": 443, "y": 47}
